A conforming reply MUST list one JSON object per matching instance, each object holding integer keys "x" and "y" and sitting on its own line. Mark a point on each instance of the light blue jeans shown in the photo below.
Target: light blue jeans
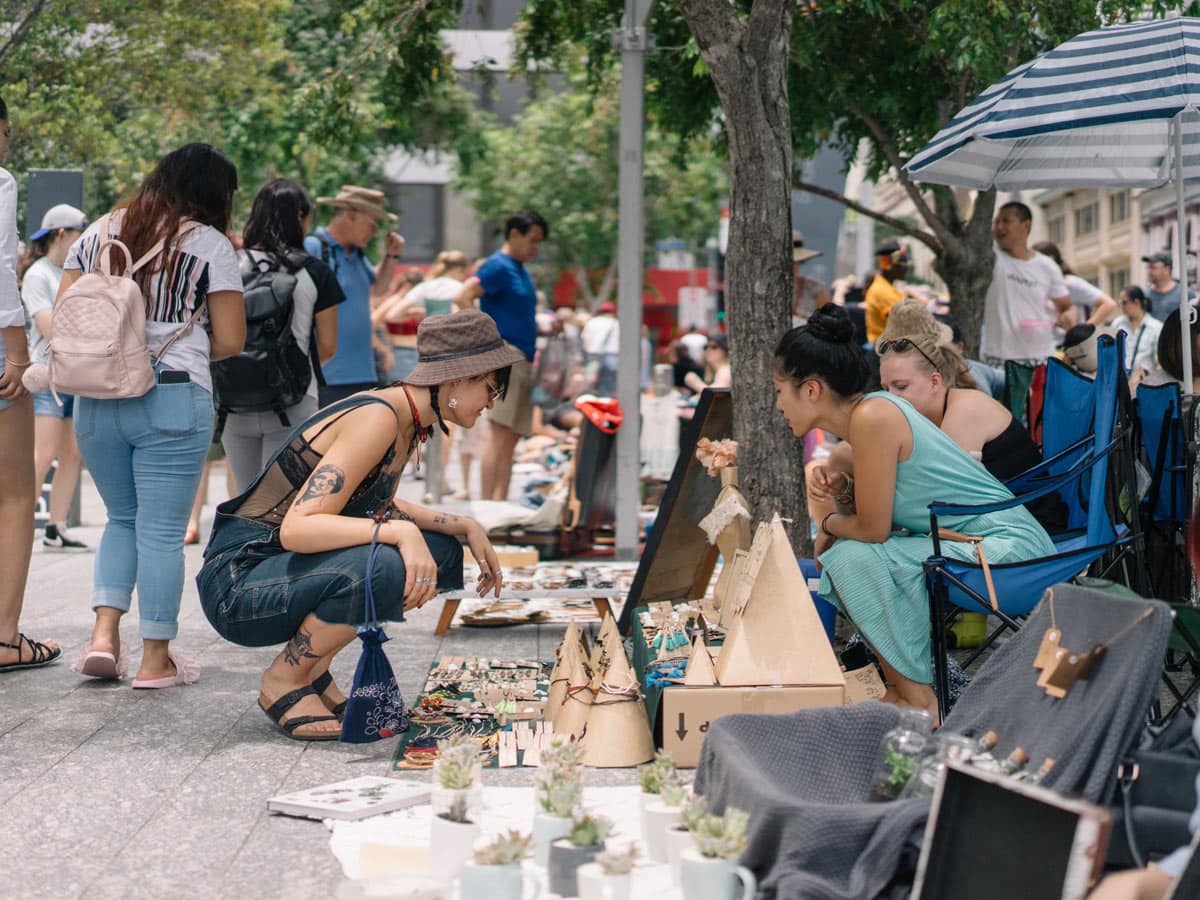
{"x": 145, "y": 455}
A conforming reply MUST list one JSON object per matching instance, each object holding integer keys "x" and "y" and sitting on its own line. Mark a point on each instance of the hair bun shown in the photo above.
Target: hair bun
{"x": 831, "y": 324}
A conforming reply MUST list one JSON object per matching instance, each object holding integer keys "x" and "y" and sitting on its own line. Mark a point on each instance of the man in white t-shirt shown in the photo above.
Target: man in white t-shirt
{"x": 1026, "y": 296}
{"x": 601, "y": 339}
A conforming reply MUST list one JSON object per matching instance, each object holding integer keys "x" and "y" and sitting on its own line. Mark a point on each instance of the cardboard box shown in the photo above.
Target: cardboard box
{"x": 686, "y": 712}
{"x": 511, "y": 557}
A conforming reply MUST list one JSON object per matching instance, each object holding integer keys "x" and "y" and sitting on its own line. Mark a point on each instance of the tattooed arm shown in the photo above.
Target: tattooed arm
{"x": 464, "y": 527}
{"x": 433, "y": 519}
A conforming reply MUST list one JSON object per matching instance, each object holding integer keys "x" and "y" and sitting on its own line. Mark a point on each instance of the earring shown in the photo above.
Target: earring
{"x": 453, "y": 404}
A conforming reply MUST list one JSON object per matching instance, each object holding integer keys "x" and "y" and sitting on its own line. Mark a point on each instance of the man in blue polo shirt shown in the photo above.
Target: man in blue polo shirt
{"x": 509, "y": 297}
{"x": 357, "y": 214}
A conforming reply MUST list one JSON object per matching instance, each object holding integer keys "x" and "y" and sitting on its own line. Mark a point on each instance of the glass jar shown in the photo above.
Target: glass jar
{"x": 946, "y": 747}
{"x": 900, "y": 752}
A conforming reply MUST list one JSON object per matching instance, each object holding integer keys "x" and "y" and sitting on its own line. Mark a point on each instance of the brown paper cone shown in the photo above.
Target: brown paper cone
{"x": 700, "y": 669}
{"x": 566, "y": 657}
{"x": 618, "y": 730}
{"x": 572, "y": 715}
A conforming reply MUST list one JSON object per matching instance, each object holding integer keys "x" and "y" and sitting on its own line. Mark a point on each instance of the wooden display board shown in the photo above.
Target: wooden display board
{"x": 678, "y": 562}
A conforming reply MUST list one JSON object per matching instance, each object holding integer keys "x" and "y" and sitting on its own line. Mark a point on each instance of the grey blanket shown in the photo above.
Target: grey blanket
{"x": 803, "y": 777}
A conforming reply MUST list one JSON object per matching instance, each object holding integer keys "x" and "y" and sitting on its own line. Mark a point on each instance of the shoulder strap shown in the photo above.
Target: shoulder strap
{"x": 335, "y": 411}
{"x": 200, "y": 308}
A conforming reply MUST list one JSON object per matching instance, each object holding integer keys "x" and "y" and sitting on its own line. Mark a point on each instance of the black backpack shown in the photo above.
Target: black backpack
{"x": 273, "y": 371}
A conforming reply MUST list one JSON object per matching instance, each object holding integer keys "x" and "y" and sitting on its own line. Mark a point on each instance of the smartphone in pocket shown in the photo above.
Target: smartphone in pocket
{"x": 173, "y": 376}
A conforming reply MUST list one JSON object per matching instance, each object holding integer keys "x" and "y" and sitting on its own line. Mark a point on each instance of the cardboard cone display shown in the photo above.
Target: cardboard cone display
{"x": 618, "y": 730}
{"x": 573, "y": 715}
{"x": 601, "y": 644}
{"x": 775, "y": 636}
{"x": 568, "y": 651}
{"x": 700, "y": 671}
{"x": 735, "y": 535}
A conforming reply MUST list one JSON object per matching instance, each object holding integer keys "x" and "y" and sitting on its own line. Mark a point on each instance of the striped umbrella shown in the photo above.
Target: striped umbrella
{"x": 1114, "y": 107}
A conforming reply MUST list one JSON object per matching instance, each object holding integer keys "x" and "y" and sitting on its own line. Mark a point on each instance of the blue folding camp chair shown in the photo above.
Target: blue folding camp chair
{"x": 1018, "y": 586}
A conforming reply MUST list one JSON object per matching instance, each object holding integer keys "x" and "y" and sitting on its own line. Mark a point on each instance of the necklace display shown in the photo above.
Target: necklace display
{"x": 1062, "y": 667}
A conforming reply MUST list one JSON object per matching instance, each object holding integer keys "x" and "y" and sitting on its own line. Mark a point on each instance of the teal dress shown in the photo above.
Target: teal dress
{"x": 881, "y": 587}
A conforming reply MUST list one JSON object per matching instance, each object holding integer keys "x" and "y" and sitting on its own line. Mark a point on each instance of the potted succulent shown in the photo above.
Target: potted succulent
{"x": 453, "y": 831}
{"x": 662, "y": 814}
{"x": 608, "y": 877}
{"x": 494, "y": 873}
{"x": 558, "y": 787}
{"x": 651, "y": 777}
{"x": 710, "y": 870}
{"x": 583, "y": 843}
{"x": 679, "y": 836}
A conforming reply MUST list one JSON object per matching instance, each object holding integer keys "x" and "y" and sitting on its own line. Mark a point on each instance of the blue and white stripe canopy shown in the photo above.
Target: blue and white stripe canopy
{"x": 1095, "y": 111}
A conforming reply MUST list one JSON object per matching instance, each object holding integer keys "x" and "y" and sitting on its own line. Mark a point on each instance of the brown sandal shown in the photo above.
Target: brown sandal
{"x": 42, "y": 654}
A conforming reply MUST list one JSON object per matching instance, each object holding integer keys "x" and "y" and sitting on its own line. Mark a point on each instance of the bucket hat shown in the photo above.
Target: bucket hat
{"x": 799, "y": 253}
{"x": 360, "y": 199}
{"x": 464, "y": 344}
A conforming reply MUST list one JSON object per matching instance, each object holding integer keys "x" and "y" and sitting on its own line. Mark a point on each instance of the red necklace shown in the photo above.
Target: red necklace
{"x": 420, "y": 435}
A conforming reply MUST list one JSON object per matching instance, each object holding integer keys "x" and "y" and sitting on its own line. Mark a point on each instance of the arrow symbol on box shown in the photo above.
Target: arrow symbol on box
{"x": 681, "y": 731}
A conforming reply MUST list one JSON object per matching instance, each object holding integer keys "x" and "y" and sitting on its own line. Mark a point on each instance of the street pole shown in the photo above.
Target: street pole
{"x": 632, "y": 40}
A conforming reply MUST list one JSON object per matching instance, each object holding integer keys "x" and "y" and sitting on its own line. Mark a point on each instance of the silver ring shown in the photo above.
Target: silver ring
{"x": 425, "y": 580}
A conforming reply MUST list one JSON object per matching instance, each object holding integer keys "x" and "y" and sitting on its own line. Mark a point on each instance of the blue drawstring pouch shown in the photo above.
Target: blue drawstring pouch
{"x": 374, "y": 709}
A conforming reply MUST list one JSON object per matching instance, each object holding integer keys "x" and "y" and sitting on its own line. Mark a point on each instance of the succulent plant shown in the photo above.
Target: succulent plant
{"x": 721, "y": 837}
{"x": 456, "y": 760}
{"x": 692, "y": 812}
{"x": 618, "y": 862}
{"x": 563, "y": 753}
{"x": 558, "y": 782}
{"x": 673, "y": 792}
{"x": 504, "y": 849}
{"x": 588, "y": 830}
{"x": 653, "y": 774}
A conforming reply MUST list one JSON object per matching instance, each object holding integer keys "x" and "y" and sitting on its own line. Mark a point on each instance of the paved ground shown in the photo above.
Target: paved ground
{"x": 108, "y": 793}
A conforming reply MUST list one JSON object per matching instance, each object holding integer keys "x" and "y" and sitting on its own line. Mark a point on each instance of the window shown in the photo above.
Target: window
{"x": 1118, "y": 279}
{"x": 1057, "y": 228}
{"x": 1086, "y": 218}
{"x": 1118, "y": 207}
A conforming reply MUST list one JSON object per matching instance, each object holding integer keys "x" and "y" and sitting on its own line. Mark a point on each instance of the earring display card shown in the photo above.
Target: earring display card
{"x": 992, "y": 838}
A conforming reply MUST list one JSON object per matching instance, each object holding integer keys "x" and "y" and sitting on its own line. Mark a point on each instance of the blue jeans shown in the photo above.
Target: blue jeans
{"x": 257, "y": 594}
{"x": 44, "y": 404}
{"x": 145, "y": 455}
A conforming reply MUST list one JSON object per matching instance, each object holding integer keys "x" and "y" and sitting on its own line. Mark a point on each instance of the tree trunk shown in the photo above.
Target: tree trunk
{"x": 748, "y": 61}
{"x": 967, "y": 267}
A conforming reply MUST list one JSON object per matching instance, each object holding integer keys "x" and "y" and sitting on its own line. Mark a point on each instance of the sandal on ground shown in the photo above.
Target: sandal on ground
{"x": 321, "y": 684}
{"x": 40, "y": 654}
{"x": 277, "y": 710}
{"x": 187, "y": 671}
{"x": 99, "y": 664}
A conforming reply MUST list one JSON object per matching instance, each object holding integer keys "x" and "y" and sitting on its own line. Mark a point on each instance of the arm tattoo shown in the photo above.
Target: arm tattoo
{"x": 444, "y": 519}
{"x": 325, "y": 481}
{"x": 298, "y": 648}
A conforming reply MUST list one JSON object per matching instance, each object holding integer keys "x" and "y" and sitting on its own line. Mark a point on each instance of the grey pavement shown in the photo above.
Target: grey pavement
{"x": 111, "y": 793}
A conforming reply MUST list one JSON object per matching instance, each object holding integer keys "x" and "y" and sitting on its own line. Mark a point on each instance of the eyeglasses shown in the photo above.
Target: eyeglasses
{"x": 494, "y": 393}
{"x": 900, "y": 345}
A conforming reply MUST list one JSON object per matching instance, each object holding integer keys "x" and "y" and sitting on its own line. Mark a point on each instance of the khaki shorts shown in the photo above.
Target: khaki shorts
{"x": 515, "y": 411}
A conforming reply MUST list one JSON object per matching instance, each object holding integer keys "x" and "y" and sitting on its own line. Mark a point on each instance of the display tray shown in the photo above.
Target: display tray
{"x": 445, "y": 707}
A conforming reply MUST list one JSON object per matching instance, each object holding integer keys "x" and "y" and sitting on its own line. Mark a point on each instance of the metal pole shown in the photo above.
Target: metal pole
{"x": 1185, "y": 308}
{"x": 632, "y": 41}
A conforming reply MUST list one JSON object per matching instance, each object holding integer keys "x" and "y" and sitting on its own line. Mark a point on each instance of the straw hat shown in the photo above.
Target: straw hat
{"x": 799, "y": 254}
{"x": 464, "y": 344}
{"x": 360, "y": 199}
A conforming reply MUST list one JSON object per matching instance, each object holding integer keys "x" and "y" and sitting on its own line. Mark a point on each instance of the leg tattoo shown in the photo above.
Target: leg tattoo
{"x": 298, "y": 648}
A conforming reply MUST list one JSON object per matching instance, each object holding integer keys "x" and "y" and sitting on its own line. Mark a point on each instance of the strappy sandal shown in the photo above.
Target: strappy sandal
{"x": 321, "y": 684}
{"x": 42, "y": 654}
{"x": 277, "y": 710}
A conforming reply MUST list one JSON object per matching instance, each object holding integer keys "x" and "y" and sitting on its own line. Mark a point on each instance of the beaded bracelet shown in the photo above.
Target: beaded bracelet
{"x": 826, "y": 519}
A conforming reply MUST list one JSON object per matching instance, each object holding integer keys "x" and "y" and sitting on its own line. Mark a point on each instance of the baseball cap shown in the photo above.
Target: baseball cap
{"x": 64, "y": 215}
{"x": 1164, "y": 258}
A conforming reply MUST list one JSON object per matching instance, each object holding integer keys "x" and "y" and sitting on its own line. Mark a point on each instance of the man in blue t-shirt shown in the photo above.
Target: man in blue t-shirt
{"x": 509, "y": 297}
{"x": 357, "y": 214}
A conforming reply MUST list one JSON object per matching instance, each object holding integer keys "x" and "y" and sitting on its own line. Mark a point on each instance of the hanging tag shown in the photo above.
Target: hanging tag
{"x": 1045, "y": 654}
{"x": 1049, "y": 667}
{"x": 1065, "y": 673}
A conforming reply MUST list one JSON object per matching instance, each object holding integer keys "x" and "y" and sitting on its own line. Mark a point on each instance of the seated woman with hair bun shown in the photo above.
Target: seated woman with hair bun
{"x": 872, "y": 558}
{"x": 919, "y": 361}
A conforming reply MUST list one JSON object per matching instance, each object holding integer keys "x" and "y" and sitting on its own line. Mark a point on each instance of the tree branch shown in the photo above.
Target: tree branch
{"x": 944, "y": 235}
{"x": 717, "y": 30}
{"x": 21, "y": 30}
{"x": 924, "y": 237}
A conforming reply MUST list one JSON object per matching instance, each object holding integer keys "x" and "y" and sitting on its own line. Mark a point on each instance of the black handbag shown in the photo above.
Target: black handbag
{"x": 1157, "y": 796}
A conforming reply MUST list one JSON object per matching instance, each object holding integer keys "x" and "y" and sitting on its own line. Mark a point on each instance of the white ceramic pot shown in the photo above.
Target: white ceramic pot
{"x": 677, "y": 840}
{"x": 657, "y": 817}
{"x": 451, "y": 844}
{"x": 477, "y": 882}
{"x": 546, "y": 830}
{"x": 715, "y": 879}
{"x": 443, "y": 800}
{"x": 595, "y": 884}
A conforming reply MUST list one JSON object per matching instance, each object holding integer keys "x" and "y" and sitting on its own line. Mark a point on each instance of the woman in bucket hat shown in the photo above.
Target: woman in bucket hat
{"x": 287, "y": 560}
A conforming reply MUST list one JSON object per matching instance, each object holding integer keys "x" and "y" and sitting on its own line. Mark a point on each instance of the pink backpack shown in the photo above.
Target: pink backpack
{"x": 99, "y": 348}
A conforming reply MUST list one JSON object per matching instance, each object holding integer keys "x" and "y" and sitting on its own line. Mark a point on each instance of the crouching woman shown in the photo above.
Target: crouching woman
{"x": 287, "y": 560}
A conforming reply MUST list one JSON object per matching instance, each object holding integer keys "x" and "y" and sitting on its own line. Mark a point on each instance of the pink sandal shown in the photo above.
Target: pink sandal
{"x": 187, "y": 671}
{"x": 98, "y": 664}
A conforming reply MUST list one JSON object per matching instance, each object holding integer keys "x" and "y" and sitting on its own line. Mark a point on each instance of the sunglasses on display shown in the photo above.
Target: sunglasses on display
{"x": 900, "y": 345}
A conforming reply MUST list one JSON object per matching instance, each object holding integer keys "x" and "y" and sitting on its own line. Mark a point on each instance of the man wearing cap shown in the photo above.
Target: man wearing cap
{"x": 1164, "y": 290}
{"x": 1026, "y": 296}
{"x": 808, "y": 294}
{"x": 507, "y": 294}
{"x": 882, "y": 293}
{"x": 357, "y": 214}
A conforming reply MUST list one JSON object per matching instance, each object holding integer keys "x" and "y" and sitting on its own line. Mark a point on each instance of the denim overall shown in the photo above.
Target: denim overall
{"x": 255, "y": 593}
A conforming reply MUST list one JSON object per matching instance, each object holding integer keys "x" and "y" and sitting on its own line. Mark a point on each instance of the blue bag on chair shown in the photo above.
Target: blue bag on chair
{"x": 374, "y": 709}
